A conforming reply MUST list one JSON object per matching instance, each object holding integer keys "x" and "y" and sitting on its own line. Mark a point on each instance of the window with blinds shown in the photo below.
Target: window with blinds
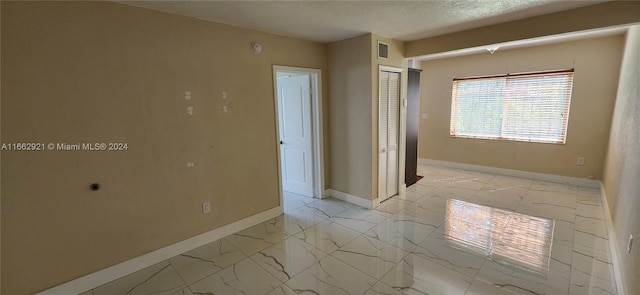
{"x": 532, "y": 107}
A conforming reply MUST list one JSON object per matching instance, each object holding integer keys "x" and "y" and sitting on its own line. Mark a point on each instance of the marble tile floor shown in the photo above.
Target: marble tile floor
{"x": 454, "y": 232}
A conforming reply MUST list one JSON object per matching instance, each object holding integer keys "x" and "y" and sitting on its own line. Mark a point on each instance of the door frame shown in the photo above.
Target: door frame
{"x": 402, "y": 133}
{"x": 317, "y": 150}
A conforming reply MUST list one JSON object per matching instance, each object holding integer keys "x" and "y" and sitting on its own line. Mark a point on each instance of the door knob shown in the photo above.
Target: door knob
{"x": 281, "y": 142}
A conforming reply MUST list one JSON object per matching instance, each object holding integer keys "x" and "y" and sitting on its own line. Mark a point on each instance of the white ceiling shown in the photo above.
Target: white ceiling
{"x": 328, "y": 21}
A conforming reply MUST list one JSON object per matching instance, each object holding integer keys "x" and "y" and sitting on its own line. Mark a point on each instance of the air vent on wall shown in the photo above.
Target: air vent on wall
{"x": 383, "y": 50}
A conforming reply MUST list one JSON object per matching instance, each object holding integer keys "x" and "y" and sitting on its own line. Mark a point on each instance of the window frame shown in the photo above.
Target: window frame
{"x": 453, "y": 132}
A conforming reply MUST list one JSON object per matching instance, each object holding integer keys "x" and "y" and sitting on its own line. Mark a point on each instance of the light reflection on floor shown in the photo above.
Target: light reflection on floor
{"x": 526, "y": 243}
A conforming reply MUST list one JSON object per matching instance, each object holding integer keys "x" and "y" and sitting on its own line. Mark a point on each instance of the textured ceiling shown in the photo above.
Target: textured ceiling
{"x": 328, "y": 21}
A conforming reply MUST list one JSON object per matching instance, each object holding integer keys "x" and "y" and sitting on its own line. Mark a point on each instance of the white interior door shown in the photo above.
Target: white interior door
{"x": 394, "y": 126}
{"x": 294, "y": 115}
{"x": 388, "y": 126}
{"x": 383, "y": 134}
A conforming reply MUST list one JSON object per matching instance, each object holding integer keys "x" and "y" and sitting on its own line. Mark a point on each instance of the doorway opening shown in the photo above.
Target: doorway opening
{"x": 298, "y": 100}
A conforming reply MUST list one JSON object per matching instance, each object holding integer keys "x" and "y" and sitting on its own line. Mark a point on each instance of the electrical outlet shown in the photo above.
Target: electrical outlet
{"x": 630, "y": 244}
{"x": 206, "y": 207}
{"x": 580, "y": 161}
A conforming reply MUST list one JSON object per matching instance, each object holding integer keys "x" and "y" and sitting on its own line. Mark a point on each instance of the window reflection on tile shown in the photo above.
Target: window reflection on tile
{"x": 504, "y": 236}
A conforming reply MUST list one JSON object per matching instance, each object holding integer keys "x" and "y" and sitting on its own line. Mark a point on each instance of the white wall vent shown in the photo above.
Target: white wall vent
{"x": 383, "y": 50}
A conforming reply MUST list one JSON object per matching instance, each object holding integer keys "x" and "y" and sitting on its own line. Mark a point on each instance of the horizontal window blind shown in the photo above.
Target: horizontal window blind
{"x": 524, "y": 107}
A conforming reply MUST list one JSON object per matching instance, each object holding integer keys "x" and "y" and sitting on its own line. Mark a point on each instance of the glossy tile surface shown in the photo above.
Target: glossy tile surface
{"x": 244, "y": 277}
{"x": 288, "y": 258}
{"x": 454, "y": 232}
{"x": 370, "y": 255}
{"x": 156, "y": 279}
{"x": 416, "y": 275}
{"x": 206, "y": 260}
{"x": 331, "y": 276}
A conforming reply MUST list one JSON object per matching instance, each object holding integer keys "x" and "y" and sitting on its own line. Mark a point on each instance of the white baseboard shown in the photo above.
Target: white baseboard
{"x": 613, "y": 243}
{"x": 109, "y": 274}
{"x": 585, "y": 182}
{"x": 362, "y": 202}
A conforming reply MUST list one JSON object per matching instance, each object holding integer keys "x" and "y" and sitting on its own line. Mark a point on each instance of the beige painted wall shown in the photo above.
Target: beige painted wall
{"x": 622, "y": 169}
{"x": 597, "y": 65}
{"x": 350, "y": 120}
{"x": 353, "y": 65}
{"x": 396, "y": 59}
{"x": 612, "y": 13}
{"x": 105, "y": 72}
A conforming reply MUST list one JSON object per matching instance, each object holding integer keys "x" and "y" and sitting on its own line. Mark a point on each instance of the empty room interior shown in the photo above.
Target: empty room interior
{"x": 320, "y": 147}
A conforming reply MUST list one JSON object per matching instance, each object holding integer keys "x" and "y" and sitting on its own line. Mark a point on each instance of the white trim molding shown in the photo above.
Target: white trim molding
{"x": 585, "y": 182}
{"x": 119, "y": 270}
{"x": 362, "y": 202}
{"x": 613, "y": 243}
{"x": 390, "y": 69}
{"x": 402, "y": 190}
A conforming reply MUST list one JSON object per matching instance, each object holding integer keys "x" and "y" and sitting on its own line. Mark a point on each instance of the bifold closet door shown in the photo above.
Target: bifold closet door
{"x": 388, "y": 125}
